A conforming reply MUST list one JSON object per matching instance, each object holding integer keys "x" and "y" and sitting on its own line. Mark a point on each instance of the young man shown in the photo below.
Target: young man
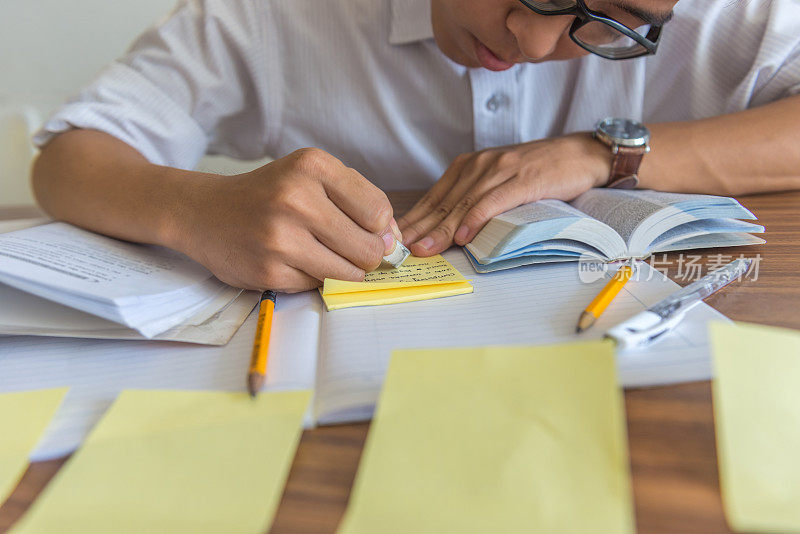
{"x": 395, "y": 94}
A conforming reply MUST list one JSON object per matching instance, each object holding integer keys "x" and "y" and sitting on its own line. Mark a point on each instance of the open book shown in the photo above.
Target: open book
{"x": 608, "y": 225}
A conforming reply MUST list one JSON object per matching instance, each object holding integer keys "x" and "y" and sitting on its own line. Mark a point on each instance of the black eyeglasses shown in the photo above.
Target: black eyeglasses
{"x": 599, "y": 33}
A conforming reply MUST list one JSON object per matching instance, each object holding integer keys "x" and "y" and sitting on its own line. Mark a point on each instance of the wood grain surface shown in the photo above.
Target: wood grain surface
{"x": 670, "y": 429}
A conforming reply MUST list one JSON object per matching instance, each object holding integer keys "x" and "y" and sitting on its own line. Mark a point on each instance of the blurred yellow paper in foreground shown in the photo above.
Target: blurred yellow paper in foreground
{"x": 24, "y": 416}
{"x": 176, "y": 461}
{"x": 498, "y": 439}
{"x": 416, "y": 279}
{"x": 757, "y": 419}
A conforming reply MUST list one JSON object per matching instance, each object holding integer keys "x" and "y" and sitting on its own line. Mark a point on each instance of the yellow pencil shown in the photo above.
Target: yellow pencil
{"x": 604, "y": 298}
{"x": 258, "y": 360}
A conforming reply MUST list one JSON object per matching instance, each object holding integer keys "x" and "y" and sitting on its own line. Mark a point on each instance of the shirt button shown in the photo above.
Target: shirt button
{"x": 497, "y": 101}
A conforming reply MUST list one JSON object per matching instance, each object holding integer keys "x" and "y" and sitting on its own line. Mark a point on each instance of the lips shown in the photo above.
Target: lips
{"x": 489, "y": 60}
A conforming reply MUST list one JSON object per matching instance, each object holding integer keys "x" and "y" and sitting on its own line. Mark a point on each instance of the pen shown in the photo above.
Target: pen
{"x": 604, "y": 298}
{"x": 258, "y": 360}
{"x": 650, "y": 325}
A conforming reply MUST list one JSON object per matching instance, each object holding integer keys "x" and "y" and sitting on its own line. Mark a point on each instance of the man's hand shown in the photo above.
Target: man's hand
{"x": 289, "y": 225}
{"x": 480, "y": 185}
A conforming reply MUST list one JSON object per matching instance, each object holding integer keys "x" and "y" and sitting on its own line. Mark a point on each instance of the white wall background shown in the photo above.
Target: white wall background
{"x": 48, "y": 50}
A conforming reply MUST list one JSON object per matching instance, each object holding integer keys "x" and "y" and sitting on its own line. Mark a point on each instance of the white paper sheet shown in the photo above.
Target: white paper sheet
{"x": 97, "y": 370}
{"x": 151, "y": 289}
{"x": 25, "y": 314}
{"x": 528, "y": 305}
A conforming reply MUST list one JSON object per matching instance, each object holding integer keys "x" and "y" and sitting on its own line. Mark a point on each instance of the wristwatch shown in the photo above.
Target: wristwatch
{"x": 628, "y": 141}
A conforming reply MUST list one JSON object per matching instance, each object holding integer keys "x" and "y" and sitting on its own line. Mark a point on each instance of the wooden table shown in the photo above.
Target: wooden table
{"x": 670, "y": 429}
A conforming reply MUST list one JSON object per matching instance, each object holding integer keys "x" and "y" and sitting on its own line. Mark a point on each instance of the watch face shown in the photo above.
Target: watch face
{"x": 624, "y": 130}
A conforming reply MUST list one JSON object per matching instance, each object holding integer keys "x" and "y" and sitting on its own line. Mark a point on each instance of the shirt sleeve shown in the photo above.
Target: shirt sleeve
{"x": 778, "y": 72}
{"x": 191, "y": 84}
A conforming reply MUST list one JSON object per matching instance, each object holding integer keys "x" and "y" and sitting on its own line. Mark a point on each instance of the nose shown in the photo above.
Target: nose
{"x": 537, "y": 35}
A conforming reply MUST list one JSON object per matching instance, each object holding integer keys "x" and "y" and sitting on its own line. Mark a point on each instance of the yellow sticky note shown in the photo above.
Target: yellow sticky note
{"x": 757, "y": 420}
{"x": 173, "y": 462}
{"x": 416, "y": 279}
{"x": 23, "y": 418}
{"x": 498, "y": 439}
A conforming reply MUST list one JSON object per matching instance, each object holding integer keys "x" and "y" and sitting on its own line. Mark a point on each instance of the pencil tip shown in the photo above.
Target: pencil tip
{"x": 584, "y": 322}
{"x": 254, "y": 383}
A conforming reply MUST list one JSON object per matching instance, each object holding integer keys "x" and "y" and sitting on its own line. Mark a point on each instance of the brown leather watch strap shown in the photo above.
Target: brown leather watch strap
{"x": 625, "y": 166}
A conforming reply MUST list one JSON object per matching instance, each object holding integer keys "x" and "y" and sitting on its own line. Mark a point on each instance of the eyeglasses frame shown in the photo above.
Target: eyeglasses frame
{"x": 583, "y": 15}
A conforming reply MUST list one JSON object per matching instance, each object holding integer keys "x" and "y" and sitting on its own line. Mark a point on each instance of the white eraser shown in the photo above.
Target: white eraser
{"x": 398, "y": 255}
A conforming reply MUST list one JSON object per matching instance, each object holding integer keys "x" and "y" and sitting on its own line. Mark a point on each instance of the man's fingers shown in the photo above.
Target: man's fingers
{"x": 408, "y": 222}
{"x": 319, "y": 262}
{"x": 274, "y": 273}
{"x": 436, "y": 241}
{"x": 440, "y": 235}
{"x": 360, "y": 199}
{"x": 398, "y": 235}
{"x": 294, "y": 281}
{"x": 498, "y": 200}
{"x": 435, "y": 195}
{"x": 443, "y": 234}
{"x": 463, "y": 183}
{"x": 413, "y": 232}
{"x": 341, "y": 235}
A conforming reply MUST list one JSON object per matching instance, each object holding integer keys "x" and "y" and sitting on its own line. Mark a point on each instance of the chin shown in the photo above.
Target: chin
{"x": 455, "y": 43}
{"x": 454, "y": 51}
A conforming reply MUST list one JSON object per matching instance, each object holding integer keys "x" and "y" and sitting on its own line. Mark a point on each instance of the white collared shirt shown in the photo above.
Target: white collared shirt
{"x": 365, "y": 81}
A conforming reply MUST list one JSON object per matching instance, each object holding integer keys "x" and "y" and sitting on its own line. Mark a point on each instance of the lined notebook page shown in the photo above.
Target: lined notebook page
{"x": 528, "y": 305}
{"x": 98, "y": 370}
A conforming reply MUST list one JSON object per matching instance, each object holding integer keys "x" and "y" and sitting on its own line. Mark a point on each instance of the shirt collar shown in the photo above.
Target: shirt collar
{"x": 411, "y": 21}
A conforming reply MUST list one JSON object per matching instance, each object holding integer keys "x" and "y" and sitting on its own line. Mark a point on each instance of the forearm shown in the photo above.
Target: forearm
{"x": 286, "y": 226}
{"x": 750, "y": 151}
{"x": 98, "y": 182}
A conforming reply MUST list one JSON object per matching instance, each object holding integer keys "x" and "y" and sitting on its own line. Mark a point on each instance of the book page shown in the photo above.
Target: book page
{"x": 507, "y": 231}
{"x": 710, "y": 232}
{"x": 527, "y": 305}
{"x": 543, "y": 210}
{"x": 148, "y": 288}
{"x": 22, "y": 313}
{"x": 545, "y": 223}
{"x": 641, "y": 217}
{"x": 72, "y": 260}
{"x": 623, "y": 210}
{"x": 712, "y": 241}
